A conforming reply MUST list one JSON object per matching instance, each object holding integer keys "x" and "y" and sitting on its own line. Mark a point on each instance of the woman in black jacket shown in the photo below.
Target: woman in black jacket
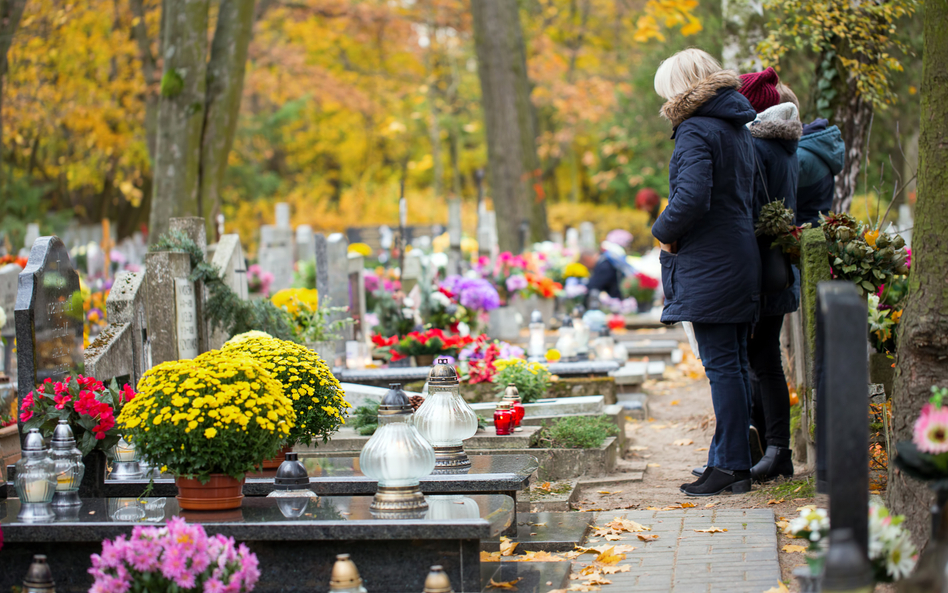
{"x": 710, "y": 262}
{"x": 776, "y": 132}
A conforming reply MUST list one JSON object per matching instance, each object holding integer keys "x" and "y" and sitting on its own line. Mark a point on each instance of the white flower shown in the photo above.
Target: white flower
{"x": 440, "y": 298}
{"x": 900, "y": 560}
{"x": 3, "y": 317}
{"x": 439, "y": 260}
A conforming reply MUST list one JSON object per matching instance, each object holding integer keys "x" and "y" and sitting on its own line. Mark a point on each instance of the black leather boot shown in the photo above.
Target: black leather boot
{"x": 721, "y": 480}
{"x": 757, "y": 448}
{"x": 702, "y": 477}
{"x": 777, "y": 461}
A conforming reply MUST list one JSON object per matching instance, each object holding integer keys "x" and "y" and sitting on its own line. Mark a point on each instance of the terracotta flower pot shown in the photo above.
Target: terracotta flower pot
{"x": 277, "y": 460}
{"x": 220, "y": 493}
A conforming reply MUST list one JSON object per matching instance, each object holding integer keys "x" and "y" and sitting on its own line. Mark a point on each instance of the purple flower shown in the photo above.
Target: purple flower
{"x": 515, "y": 283}
{"x": 510, "y": 351}
{"x": 476, "y": 294}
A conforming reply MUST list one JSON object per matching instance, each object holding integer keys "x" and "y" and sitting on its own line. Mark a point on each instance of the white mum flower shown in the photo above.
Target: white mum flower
{"x": 900, "y": 559}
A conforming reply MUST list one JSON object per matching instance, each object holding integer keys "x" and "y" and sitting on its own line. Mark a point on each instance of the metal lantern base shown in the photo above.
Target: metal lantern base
{"x": 36, "y": 512}
{"x": 399, "y": 499}
{"x": 66, "y": 499}
{"x": 126, "y": 470}
{"x": 451, "y": 460}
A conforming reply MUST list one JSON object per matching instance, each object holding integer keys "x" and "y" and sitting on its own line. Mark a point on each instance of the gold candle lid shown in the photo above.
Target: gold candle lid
{"x": 443, "y": 374}
{"x": 438, "y": 581}
{"x": 345, "y": 575}
{"x": 503, "y": 405}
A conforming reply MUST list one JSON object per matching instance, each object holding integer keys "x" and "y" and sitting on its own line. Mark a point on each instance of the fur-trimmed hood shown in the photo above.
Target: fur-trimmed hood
{"x": 706, "y": 99}
{"x": 780, "y": 122}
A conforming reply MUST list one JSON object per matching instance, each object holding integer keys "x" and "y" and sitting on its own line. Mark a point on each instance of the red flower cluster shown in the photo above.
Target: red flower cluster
{"x": 432, "y": 341}
{"x": 79, "y": 394}
{"x": 646, "y": 281}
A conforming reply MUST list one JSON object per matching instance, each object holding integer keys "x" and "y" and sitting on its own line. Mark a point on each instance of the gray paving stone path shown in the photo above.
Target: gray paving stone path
{"x": 741, "y": 560}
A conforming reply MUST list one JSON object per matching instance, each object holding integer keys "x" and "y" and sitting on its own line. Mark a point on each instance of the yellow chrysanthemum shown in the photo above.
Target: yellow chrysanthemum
{"x": 576, "y": 270}
{"x": 360, "y": 248}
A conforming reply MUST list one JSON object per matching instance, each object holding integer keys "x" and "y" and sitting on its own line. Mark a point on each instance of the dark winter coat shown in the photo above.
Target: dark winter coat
{"x": 775, "y": 144}
{"x": 715, "y": 275}
{"x": 605, "y": 278}
{"x": 821, "y": 153}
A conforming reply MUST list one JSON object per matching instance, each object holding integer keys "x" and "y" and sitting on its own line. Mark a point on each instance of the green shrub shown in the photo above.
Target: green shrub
{"x": 574, "y": 432}
{"x": 367, "y": 418}
{"x": 531, "y": 378}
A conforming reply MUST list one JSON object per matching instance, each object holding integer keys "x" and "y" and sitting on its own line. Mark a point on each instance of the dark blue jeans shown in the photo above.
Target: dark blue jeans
{"x": 723, "y": 349}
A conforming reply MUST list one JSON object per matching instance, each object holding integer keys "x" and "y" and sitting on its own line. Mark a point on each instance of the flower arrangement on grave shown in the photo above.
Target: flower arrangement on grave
{"x": 310, "y": 322}
{"x": 575, "y": 270}
{"x": 176, "y": 557}
{"x": 88, "y": 405}
{"x": 431, "y": 342}
{"x": 507, "y": 274}
{"x": 316, "y": 395}
{"x": 531, "y": 378}
{"x": 258, "y": 280}
{"x": 891, "y": 551}
{"x": 395, "y": 313}
{"x": 883, "y": 325}
{"x": 220, "y": 413}
{"x": 461, "y": 300}
{"x": 360, "y": 248}
{"x": 541, "y": 286}
{"x": 618, "y": 306}
{"x": 13, "y": 259}
{"x": 479, "y": 357}
{"x": 641, "y": 287}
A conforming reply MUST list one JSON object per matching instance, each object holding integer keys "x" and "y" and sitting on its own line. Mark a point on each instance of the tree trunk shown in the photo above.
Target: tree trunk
{"x": 923, "y": 335}
{"x": 181, "y": 109}
{"x": 854, "y": 116}
{"x": 11, "y": 11}
{"x": 509, "y": 120}
{"x": 225, "y": 84}
{"x": 149, "y": 70}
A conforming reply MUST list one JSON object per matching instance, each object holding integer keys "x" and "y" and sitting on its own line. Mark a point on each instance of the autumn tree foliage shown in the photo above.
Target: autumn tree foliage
{"x": 858, "y": 49}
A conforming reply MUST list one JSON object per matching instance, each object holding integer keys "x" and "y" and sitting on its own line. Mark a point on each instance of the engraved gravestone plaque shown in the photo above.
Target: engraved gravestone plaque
{"x": 48, "y": 317}
{"x": 186, "y": 318}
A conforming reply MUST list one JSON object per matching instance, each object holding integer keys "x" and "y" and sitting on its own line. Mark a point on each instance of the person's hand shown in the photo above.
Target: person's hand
{"x": 669, "y": 247}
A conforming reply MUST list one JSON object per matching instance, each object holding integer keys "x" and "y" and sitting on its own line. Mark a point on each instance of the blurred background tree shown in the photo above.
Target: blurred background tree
{"x": 344, "y": 99}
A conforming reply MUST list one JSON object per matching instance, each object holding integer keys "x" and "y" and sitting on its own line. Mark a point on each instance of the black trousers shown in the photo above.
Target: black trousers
{"x": 770, "y": 409}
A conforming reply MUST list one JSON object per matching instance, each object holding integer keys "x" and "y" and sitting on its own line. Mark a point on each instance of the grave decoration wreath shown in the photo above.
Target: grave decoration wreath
{"x": 316, "y": 395}
{"x": 89, "y": 406}
{"x": 224, "y": 308}
{"x": 220, "y": 413}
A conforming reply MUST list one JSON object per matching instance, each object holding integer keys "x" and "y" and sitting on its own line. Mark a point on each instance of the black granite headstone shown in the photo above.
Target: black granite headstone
{"x": 842, "y": 407}
{"x": 48, "y": 317}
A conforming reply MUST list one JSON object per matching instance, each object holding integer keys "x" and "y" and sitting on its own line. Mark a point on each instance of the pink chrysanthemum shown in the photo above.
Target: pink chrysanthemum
{"x": 931, "y": 430}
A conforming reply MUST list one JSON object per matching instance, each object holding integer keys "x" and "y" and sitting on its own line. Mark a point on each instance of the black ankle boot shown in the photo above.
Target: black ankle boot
{"x": 721, "y": 480}
{"x": 702, "y": 478}
{"x": 757, "y": 448}
{"x": 775, "y": 462}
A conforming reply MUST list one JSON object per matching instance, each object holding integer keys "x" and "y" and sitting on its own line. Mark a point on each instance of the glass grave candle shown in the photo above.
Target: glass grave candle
{"x": 536, "y": 349}
{"x": 503, "y": 418}
{"x": 67, "y": 460}
{"x": 566, "y": 343}
{"x": 512, "y": 396}
{"x": 35, "y": 480}
{"x": 397, "y": 456}
{"x": 446, "y": 420}
{"x": 125, "y": 464}
{"x": 581, "y": 333}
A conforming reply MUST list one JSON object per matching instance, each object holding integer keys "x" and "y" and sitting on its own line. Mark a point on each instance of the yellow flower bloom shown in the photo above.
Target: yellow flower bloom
{"x": 210, "y": 433}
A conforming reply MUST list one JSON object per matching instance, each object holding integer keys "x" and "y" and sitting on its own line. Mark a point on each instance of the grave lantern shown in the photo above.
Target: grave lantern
{"x": 125, "y": 465}
{"x": 581, "y": 333}
{"x": 437, "y": 581}
{"x": 345, "y": 576}
{"x": 537, "y": 347}
{"x": 512, "y": 396}
{"x": 397, "y": 456}
{"x": 566, "y": 343}
{"x": 291, "y": 487}
{"x": 503, "y": 418}
{"x": 39, "y": 578}
{"x": 67, "y": 460}
{"x": 605, "y": 346}
{"x": 35, "y": 480}
{"x": 445, "y": 419}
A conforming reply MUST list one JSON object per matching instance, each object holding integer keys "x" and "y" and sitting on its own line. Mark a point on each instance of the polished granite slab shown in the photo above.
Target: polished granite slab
{"x": 334, "y": 476}
{"x": 295, "y": 543}
{"x": 526, "y": 577}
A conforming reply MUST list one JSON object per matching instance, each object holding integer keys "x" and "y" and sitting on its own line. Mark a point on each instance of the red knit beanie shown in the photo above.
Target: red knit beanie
{"x": 760, "y": 88}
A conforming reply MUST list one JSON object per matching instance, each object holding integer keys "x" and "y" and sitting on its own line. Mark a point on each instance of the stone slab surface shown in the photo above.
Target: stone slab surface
{"x": 547, "y": 531}
{"x": 348, "y": 440}
{"x": 536, "y": 577}
{"x": 741, "y": 560}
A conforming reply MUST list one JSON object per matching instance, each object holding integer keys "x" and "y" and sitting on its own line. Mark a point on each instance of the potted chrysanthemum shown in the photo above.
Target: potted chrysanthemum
{"x": 208, "y": 421}
{"x": 315, "y": 394}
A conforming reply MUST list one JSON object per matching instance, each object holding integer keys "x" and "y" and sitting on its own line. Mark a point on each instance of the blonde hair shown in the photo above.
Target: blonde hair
{"x": 787, "y": 95}
{"x": 681, "y": 71}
